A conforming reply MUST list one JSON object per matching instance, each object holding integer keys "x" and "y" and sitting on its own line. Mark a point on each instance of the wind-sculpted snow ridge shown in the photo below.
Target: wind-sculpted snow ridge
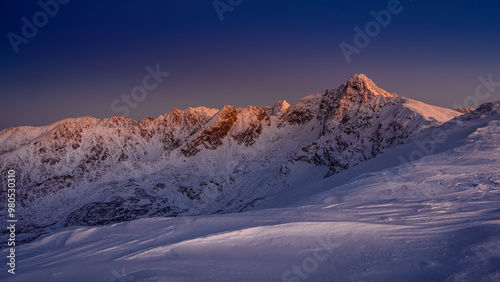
{"x": 436, "y": 218}
{"x": 89, "y": 171}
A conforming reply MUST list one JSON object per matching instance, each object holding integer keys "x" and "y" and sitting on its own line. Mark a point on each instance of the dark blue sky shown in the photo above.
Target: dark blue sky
{"x": 90, "y": 52}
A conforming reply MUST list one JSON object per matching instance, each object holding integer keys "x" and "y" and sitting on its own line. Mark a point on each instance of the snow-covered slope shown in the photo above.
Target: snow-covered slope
{"x": 427, "y": 210}
{"x": 90, "y": 171}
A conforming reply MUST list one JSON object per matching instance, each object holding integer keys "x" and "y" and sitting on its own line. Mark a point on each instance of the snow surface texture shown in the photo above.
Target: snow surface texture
{"x": 427, "y": 210}
{"x": 89, "y": 171}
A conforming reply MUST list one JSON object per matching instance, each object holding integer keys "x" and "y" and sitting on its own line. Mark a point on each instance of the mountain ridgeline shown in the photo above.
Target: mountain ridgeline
{"x": 88, "y": 171}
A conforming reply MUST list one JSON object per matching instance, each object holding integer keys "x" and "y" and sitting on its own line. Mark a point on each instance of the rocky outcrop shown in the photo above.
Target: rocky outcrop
{"x": 214, "y": 132}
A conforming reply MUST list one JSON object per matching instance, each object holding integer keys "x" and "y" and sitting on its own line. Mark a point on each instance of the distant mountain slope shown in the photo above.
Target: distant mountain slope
{"x": 88, "y": 171}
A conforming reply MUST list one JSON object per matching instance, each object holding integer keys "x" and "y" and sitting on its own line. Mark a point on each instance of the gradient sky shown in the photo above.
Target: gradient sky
{"x": 92, "y": 51}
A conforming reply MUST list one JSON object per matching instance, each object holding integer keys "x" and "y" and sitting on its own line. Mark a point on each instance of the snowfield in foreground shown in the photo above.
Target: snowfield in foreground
{"x": 434, "y": 219}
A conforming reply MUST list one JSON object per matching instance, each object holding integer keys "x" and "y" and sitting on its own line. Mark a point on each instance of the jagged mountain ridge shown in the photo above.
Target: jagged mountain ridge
{"x": 201, "y": 160}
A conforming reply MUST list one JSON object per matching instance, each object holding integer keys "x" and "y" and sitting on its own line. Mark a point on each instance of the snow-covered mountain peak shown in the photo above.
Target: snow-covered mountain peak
{"x": 358, "y": 78}
{"x": 359, "y": 84}
{"x": 359, "y": 94}
{"x": 280, "y": 106}
{"x": 358, "y": 91}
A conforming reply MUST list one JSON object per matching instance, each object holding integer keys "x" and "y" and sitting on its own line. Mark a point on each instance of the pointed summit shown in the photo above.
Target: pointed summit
{"x": 280, "y": 106}
{"x": 363, "y": 85}
{"x": 358, "y": 78}
{"x": 359, "y": 91}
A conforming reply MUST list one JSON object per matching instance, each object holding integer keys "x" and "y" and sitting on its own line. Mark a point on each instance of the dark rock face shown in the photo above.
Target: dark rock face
{"x": 351, "y": 100}
{"x": 358, "y": 120}
{"x": 464, "y": 110}
{"x": 251, "y": 128}
{"x": 302, "y": 112}
{"x": 103, "y": 213}
{"x": 211, "y": 137}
